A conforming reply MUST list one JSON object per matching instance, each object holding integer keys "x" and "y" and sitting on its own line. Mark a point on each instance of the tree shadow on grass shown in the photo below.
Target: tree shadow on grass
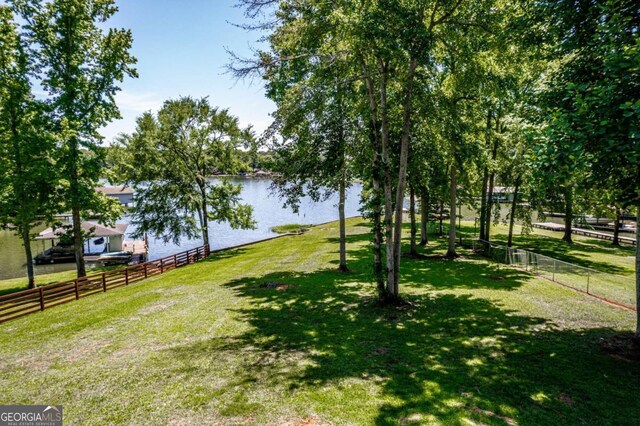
{"x": 226, "y": 254}
{"x": 437, "y": 273}
{"x": 9, "y": 290}
{"x": 450, "y": 359}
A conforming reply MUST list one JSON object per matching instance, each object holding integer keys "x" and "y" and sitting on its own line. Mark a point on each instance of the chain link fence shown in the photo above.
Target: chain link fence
{"x": 614, "y": 288}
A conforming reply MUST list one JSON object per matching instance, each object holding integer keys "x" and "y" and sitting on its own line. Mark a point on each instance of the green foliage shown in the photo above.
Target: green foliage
{"x": 169, "y": 160}
{"x": 80, "y": 64}
{"x": 28, "y": 174}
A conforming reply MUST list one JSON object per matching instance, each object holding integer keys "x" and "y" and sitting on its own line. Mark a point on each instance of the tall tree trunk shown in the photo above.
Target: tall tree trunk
{"x": 376, "y": 178}
{"x": 489, "y": 213}
{"x": 204, "y": 220}
{"x": 512, "y": 217}
{"x": 424, "y": 218}
{"x": 451, "y": 250}
{"x": 441, "y": 231}
{"x": 387, "y": 185}
{"x": 74, "y": 187}
{"x": 487, "y": 224}
{"x": 378, "y": 270}
{"x": 485, "y": 181}
{"x": 483, "y": 202}
{"x": 568, "y": 214}
{"x": 78, "y": 242}
{"x": 343, "y": 225}
{"x": 28, "y": 255}
{"x": 412, "y": 215}
{"x": 638, "y": 272}
{"x": 402, "y": 172}
{"x": 25, "y": 225}
{"x": 616, "y": 228}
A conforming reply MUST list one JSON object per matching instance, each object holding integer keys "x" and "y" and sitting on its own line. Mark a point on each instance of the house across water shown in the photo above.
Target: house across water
{"x": 124, "y": 194}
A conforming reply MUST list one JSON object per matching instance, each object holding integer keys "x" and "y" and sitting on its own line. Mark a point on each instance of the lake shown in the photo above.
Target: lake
{"x": 268, "y": 212}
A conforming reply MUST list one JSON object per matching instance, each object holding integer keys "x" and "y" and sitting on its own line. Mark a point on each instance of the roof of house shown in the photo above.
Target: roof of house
{"x": 95, "y": 229}
{"x": 502, "y": 189}
{"x": 114, "y": 190}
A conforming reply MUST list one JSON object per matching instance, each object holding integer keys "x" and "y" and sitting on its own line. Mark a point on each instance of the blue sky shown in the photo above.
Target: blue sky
{"x": 180, "y": 47}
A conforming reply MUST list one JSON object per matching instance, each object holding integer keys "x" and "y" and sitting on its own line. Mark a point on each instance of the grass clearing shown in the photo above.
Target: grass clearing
{"x": 612, "y": 268}
{"x": 211, "y": 344}
{"x": 588, "y": 252}
{"x": 293, "y": 228}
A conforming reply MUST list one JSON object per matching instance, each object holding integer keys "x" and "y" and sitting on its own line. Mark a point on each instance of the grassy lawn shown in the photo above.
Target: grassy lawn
{"x": 588, "y": 252}
{"x": 273, "y": 334}
{"x": 615, "y": 265}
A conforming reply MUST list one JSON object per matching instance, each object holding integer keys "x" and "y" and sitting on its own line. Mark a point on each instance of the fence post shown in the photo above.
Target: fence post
{"x": 77, "y": 289}
{"x": 161, "y": 266}
{"x": 206, "y": 250}
{"x": 175, "y": 261}
{"x": 144, "y": 265}
{"x": 104, "y": 283}
{"x": 41, "y": 299}
{"x": 126, "y": 276}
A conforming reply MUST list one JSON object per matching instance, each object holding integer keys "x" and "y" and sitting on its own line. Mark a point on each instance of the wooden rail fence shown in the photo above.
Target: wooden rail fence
{"x": 21, "y": 303}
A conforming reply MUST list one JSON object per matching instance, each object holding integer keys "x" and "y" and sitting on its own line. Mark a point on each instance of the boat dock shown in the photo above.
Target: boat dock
{"x": 550, "y": 226}
{"x": 138, "y": 248}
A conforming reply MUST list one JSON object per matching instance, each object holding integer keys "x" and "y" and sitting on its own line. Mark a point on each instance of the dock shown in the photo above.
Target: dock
{"x": 138, "y": 248}
{"x": 550, "y": 226}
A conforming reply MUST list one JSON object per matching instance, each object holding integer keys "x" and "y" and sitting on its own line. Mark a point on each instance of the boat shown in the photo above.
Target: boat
{"x": 56, "y": 254}
{"x": 115, "y": 258}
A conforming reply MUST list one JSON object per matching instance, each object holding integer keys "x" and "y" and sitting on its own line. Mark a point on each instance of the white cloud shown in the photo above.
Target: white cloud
{"x": 136, "y": 102}
{"x": 131, "y": 105}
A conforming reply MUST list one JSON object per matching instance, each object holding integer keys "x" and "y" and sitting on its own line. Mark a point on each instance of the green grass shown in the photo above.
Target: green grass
{"x": 612, "y": 267}
{"x": 588, "y": 252}
{"x": 290, "y": 228}
{"x": 210, "y": 344}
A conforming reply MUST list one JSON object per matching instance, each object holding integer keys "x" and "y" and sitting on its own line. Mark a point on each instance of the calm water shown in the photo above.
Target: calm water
{"x": 267, "y": 212}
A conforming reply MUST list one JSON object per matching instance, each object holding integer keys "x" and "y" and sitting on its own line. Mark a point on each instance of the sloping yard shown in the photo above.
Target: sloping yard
{"x": 272, "y": 334}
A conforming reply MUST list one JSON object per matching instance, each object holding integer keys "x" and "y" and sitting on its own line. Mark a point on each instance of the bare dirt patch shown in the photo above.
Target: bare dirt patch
{"x": 307, "y": 421}
{"x": 622, "y": 346}
{"x": 156, "y": 307}
{"x": 276, "y": 286}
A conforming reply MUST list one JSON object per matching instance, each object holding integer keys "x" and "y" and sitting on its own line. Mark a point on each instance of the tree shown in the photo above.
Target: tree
{"x": 168, "y": 161}
{"x": 384, "y": 46}
{"x": 80, "y": 65}
{"x": 595, "y": 102}
{"x": 27, "y": 166}
{"x": 313, "y": 156}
